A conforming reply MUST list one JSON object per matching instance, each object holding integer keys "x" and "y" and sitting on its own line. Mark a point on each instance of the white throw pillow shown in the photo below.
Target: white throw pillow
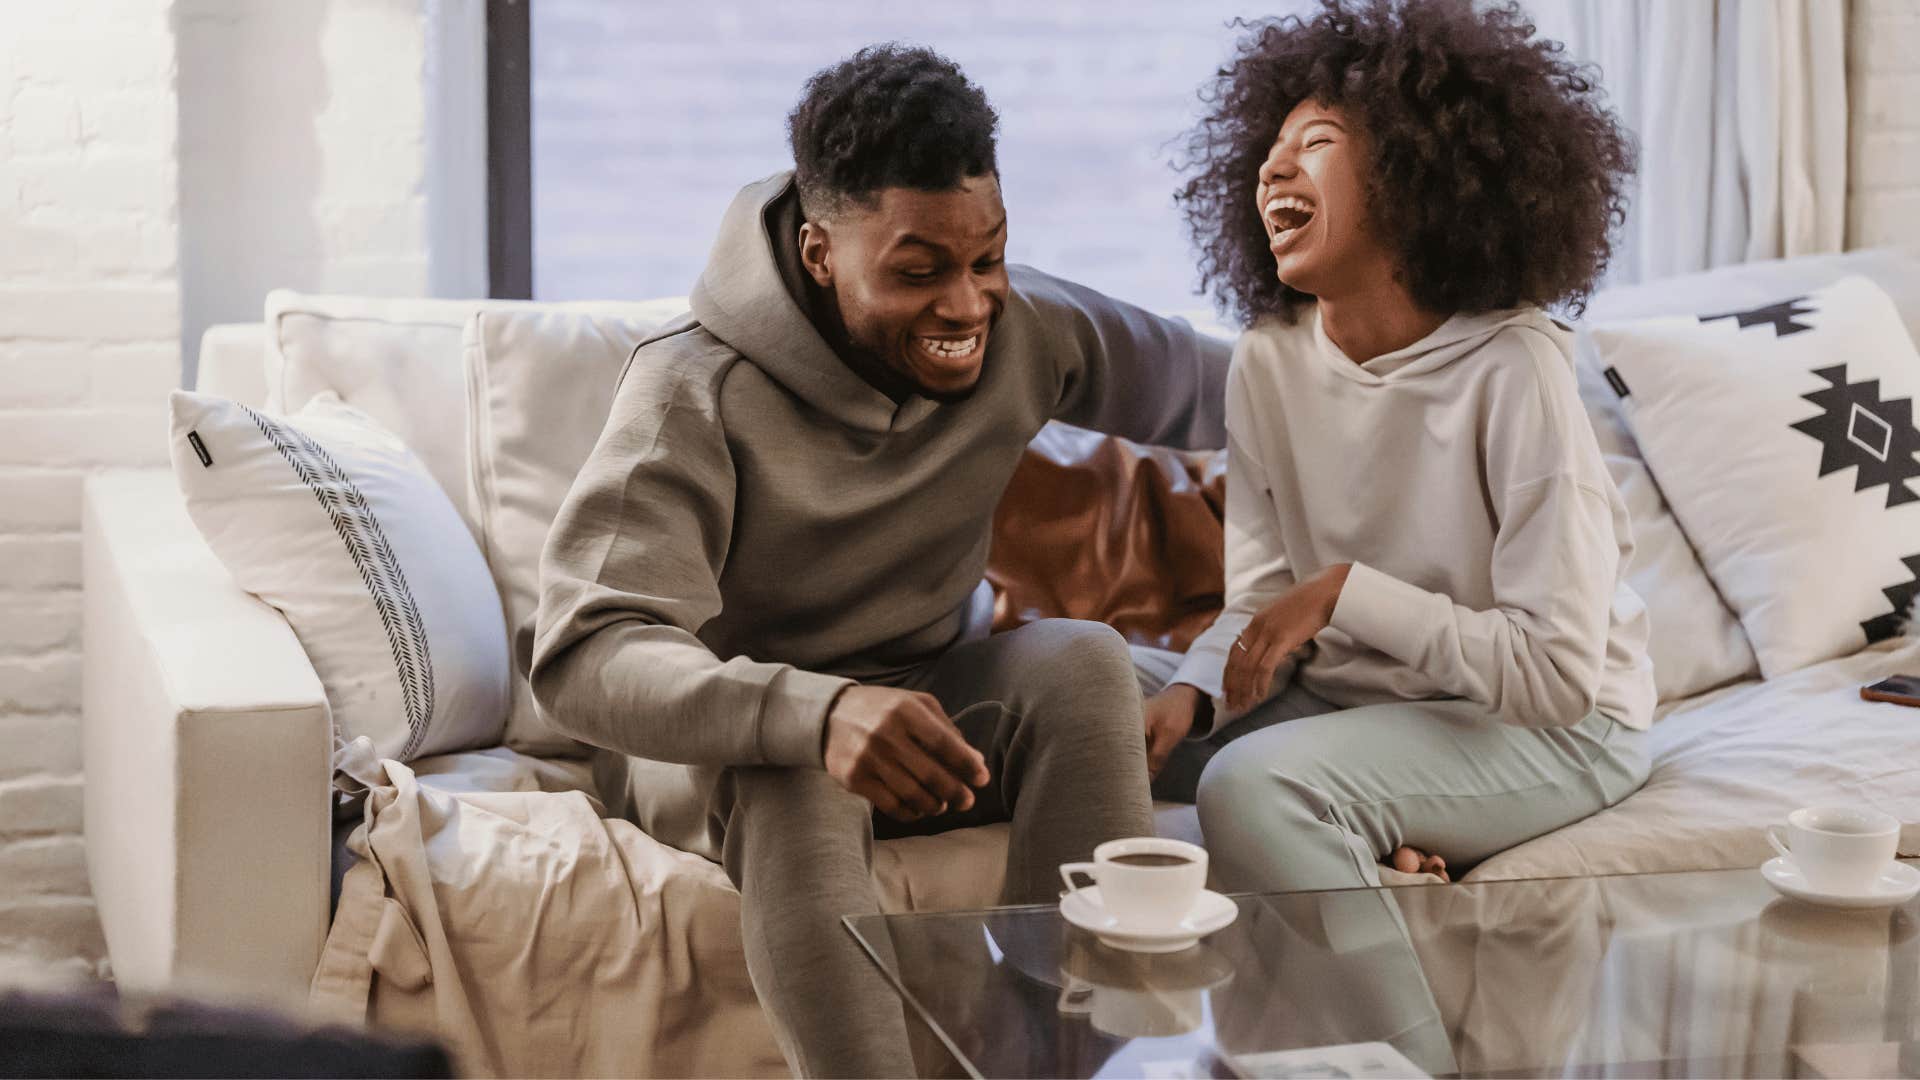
{"x": 1695, "y": 642}
{"x": 399, "y": 361}
{"x": 540, "y": 384}
{"x": 332, "y": 520}
{"x": 1782, "y": 435}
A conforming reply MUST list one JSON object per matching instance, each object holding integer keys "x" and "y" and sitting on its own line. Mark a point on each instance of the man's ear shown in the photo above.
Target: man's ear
{"x": 815, "y": 246}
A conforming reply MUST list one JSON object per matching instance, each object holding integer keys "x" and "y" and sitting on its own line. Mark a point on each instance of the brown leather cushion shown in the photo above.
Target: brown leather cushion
{"x": 1095, "y": 527}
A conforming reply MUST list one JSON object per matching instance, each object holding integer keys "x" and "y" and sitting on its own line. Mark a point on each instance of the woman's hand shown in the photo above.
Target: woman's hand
{"x": 1281, "y": 629}
{"x": 1170, "y": 716}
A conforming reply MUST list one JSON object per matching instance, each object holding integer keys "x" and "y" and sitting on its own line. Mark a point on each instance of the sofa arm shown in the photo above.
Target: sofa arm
{"x": 208, "y": 752}
{"x": 234, "y": 364}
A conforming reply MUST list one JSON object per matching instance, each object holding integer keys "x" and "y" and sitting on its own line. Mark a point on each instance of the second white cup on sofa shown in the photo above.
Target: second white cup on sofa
{"x": 1145, "y": 881}
{"x": 1838, "y": 849}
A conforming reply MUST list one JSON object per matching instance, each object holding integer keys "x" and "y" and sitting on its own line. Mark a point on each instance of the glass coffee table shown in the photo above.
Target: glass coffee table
{"x": 1686, "y": 974}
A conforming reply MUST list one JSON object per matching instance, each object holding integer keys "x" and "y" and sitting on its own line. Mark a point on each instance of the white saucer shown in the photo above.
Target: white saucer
{"x": 1083, "y": 908}
{"x": 1896, "y": 885}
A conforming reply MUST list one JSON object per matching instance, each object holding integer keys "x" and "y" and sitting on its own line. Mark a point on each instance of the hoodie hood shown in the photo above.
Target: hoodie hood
{"x": 742, "y": 299}
{"x": 1451, "y": 340}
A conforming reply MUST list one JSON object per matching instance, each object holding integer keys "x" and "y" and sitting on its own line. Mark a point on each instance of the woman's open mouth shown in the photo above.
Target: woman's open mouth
{"x": 1287, "y": 216}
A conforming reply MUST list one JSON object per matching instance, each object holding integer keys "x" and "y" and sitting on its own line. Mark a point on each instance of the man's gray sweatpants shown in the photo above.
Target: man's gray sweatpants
{"x": 1055, "y": 709}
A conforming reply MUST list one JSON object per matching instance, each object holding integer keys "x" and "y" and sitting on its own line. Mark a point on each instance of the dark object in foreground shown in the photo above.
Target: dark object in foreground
{"x": 96, "y": 1032}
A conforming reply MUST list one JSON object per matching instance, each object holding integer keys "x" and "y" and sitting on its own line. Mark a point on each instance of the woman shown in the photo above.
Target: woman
{"x": 1425, "y": 554}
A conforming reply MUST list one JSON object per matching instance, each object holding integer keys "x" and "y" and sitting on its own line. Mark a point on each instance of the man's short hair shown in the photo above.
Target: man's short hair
{"x": 888, "y": 116}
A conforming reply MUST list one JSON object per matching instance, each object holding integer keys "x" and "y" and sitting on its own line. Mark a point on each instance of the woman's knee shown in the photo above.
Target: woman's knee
{"x": 1243, "y": 783}
{"x": 1268, "y": 826}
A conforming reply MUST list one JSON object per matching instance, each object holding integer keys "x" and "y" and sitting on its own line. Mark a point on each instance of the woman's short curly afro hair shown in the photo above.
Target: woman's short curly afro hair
{"x": 888, "y": 116}
{"x": 1497, "y": 172}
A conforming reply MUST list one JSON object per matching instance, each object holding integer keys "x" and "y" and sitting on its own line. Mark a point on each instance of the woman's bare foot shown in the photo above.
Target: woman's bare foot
{"x": 1409, "y": 860}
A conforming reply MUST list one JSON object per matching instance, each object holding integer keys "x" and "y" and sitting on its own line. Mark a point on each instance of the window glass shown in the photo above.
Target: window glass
{"x": 647, "y": 117}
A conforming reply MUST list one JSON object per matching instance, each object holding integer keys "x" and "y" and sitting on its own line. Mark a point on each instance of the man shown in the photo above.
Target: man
{"x": 765, "y": 586}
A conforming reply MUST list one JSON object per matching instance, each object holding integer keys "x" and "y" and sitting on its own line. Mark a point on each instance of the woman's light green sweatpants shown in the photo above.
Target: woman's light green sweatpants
{"x": 1302, "y": 794}
{"x": 1312, "y": 797}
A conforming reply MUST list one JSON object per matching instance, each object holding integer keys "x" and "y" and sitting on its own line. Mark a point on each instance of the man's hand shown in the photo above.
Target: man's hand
{"x": 897, "y": 750}
{"x": 1170, "y": 716}
{"x": 1283, "y": 628}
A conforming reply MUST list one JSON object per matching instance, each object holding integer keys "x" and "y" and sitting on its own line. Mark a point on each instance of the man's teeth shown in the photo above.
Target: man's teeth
{"x": 949, "y": 348}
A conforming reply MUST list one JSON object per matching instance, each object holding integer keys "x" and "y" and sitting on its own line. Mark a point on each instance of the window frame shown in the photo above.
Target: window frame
{"x": 509, "y": 150}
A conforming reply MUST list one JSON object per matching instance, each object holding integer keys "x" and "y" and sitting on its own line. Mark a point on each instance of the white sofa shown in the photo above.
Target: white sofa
{"x": 207, "y": 745}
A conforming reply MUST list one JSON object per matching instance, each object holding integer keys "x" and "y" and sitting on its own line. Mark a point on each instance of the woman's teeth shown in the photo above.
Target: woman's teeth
{"x": 949, "y": 350}
{"x": 1287, "y": 213}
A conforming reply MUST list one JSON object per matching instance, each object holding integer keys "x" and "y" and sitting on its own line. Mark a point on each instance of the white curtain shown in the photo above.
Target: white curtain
{"x": 1740, "y": 111}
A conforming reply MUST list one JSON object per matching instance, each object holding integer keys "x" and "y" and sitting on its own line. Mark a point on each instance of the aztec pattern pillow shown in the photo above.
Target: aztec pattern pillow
{"x": 1783, "y": 437}
{"x": 332, "y": 520}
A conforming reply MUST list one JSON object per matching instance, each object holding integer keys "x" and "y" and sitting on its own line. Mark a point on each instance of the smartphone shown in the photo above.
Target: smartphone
{"x": 1899, "y": 689}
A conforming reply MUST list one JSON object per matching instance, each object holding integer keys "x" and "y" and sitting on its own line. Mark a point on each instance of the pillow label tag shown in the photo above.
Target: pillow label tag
{"x": 200, "y": 449}
{"x": 1614, "y": 380}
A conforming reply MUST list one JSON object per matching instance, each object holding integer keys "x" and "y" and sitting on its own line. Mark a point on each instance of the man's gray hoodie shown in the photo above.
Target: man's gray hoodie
{"x": 758, "y": 526}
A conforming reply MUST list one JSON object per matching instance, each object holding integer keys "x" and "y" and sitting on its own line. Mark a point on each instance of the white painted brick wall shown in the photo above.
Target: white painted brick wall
{"x": 1884, "y": 164}
{"x": 89, "y": 345}
{"x": 304, "y": 153}
{"x": 163, "y": 163}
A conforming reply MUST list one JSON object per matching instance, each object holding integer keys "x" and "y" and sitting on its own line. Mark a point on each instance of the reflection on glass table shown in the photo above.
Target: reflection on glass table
{"x": 1707, "y": 973}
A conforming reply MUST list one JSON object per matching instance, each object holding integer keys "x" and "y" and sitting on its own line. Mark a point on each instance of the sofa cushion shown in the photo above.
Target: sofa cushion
{"x": 1747, "y": 285}
{"x": 333, "y": 521}
{"x": 1694, "y": 640}
{"x": 399, "y": 361}
{"x": 1784, "y": 439}
{"x": 1728, "y": 764}
{"x": 540, "y": 383}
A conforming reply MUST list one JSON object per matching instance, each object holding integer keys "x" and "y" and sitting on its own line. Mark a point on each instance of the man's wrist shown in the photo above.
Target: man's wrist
{"x": 826, "y": 720}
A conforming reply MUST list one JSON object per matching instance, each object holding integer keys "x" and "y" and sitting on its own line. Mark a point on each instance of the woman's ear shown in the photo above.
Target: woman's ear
{"x": 815, "y": 253}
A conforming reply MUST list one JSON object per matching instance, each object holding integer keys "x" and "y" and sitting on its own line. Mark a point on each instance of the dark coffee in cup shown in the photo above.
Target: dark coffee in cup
{"x": 1149, "y": 858}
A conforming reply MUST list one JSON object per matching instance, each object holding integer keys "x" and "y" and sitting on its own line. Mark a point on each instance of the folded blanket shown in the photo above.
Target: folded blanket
{"x": 535, "y": 937}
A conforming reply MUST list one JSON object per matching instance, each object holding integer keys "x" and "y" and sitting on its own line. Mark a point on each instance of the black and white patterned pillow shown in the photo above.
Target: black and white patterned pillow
{"x": 332, "y": 520}
{"x": 1783, "y": 438}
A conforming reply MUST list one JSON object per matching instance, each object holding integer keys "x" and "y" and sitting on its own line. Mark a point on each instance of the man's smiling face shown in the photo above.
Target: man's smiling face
{"x": 919, "y": 277}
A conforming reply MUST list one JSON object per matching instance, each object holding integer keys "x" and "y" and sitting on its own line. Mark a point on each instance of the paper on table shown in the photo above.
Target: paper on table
{"x": 1362, "y": 1061}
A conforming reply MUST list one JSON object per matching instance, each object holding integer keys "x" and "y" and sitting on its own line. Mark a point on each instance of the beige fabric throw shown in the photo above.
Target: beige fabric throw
{"x": 534, "y": 937}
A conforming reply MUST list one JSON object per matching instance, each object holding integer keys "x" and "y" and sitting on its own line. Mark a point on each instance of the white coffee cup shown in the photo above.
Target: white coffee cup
{"x": 1144, "y": 880}
{"x": 1838, "y": 849}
